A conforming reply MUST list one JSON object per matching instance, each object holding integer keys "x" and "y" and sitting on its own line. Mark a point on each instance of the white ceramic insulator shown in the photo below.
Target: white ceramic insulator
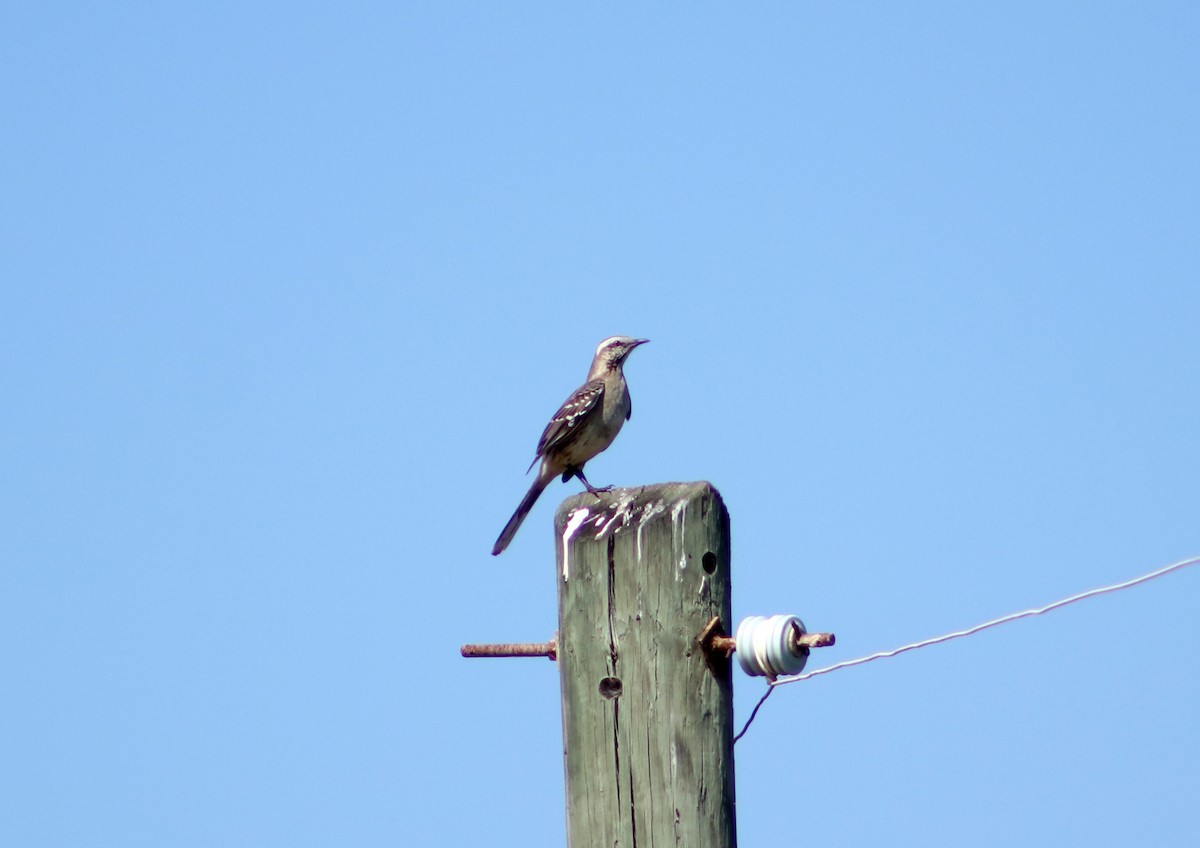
{"x": 766, "y": 645}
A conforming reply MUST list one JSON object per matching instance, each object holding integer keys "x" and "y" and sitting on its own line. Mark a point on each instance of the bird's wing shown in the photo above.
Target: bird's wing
{"x": 583, "y": 403}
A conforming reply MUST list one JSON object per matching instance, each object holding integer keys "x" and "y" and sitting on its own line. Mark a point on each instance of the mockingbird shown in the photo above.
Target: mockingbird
{"x": 584, "y": 425}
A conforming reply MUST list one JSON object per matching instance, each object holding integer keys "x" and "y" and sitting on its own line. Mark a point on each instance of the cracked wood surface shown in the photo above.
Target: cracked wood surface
{"x": 647, "y": 722}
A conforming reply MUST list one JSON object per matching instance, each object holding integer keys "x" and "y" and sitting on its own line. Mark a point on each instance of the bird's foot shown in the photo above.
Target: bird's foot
{"x": 578, "y": 472}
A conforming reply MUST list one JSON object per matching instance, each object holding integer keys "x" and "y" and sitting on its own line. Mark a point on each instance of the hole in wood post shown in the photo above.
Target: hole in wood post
{"x": 610, "y": 687}
{"x": 709, "y": 562}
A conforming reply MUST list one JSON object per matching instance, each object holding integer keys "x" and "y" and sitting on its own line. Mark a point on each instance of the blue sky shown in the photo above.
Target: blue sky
{"x": 290, "y": 291}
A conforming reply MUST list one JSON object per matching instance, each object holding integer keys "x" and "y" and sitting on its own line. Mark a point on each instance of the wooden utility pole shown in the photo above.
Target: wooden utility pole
{"x": 647, "y": 714}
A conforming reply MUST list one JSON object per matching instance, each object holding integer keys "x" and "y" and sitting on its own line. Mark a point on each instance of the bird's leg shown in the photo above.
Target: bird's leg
{"x": 595, "y": 490}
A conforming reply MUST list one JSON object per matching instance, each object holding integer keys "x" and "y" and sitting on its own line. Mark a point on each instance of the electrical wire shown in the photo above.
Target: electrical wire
{"x": 970, "y": 631}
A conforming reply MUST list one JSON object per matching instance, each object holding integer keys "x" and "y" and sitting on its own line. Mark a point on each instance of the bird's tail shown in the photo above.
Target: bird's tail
{"x": 514, "y": 523}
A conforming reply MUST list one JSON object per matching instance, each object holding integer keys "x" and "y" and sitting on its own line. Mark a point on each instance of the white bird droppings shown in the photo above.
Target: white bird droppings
{"x": 620, "y": 513}
{"x": 573, "y": 523}
{"x": 678, "y": 528}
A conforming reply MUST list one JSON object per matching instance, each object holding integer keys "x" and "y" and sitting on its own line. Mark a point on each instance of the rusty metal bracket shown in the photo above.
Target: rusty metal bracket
{"x": 513, "y": 649}
{"x": 714, "y": 641}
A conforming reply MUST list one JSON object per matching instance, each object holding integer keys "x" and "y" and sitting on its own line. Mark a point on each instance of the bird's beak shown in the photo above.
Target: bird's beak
{"x": 637, "y": 342}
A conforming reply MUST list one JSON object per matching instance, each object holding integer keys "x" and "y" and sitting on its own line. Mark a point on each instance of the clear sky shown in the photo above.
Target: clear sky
{"x": 290, "y": 290}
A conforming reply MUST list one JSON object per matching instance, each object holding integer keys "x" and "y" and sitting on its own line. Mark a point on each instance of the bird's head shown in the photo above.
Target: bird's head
{"x": 613, "y": 350}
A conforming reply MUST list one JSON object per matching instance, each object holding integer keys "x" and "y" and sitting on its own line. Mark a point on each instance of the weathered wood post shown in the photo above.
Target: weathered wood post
{"x": 647, "y": 716}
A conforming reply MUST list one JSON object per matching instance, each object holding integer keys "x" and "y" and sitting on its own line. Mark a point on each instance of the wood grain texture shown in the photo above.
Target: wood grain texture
{"x": 647, "y": 721}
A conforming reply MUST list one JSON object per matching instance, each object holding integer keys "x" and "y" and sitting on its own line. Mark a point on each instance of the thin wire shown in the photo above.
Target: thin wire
{"x": 753, "y": 713}
{"x": 993, "y": 623}
{"x": 1091, "y": 593}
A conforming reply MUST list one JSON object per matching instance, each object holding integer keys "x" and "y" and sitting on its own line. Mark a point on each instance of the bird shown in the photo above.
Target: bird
{"x": 584, "y": 425}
